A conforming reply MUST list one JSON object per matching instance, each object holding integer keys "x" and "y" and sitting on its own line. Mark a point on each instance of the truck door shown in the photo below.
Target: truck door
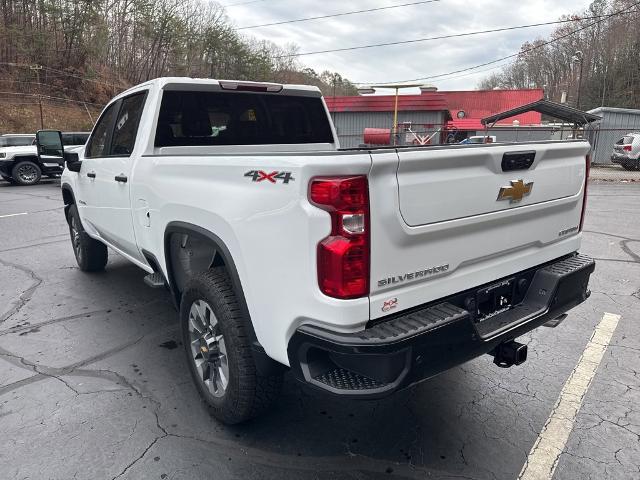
{"x": 106, "y": 170}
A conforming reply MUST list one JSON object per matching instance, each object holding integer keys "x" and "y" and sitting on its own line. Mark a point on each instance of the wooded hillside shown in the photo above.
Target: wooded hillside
{"x": 607, "y": 52}
{"x": 73, "y": 55}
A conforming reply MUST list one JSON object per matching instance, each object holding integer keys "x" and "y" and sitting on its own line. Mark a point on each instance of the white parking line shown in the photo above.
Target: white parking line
{"x": 13, "y": 214}
{"x": 543, "y": 457}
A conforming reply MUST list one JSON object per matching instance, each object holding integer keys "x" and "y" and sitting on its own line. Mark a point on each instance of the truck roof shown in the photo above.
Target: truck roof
{"x": 180, "y": 83}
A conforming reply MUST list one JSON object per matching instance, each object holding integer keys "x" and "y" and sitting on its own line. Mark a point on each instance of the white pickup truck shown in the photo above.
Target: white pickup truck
{"x": 362, "y": 271}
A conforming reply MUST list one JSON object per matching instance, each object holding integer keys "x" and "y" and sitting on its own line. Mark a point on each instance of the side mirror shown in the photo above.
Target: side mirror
{"x": 73, "y": 161}
{"x": 49, "y": 146}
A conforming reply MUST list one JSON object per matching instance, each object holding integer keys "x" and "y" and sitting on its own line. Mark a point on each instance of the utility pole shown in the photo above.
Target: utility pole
{"x": 37, "y": 69}
{"x": 579, "y": 57}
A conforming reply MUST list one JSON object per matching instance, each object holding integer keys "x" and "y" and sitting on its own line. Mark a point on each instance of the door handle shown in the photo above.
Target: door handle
{"x": 121, "y": 178}
{"x": 91, "y": 174}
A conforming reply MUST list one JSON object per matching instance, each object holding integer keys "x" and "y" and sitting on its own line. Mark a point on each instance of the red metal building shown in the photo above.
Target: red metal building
{"x": 430, "y": 110}
{"x": 478, "y": 104}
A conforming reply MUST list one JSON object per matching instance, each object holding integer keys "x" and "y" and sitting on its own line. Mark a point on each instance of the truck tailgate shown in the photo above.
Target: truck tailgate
{"x": 444, "y": 220}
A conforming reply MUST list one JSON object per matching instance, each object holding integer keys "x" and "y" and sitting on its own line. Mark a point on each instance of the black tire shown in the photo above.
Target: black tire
{"x": 247, "y": 393}
{"x": 630, "y": 167}
{"x": 26, "y": 172}
{"x": 91, "y": 254}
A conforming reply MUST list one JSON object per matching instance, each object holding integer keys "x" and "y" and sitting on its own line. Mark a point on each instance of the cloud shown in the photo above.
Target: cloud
{"x": 403, "y": 61}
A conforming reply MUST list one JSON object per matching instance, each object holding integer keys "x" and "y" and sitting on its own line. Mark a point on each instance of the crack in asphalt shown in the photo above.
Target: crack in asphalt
{"x": 624, "y": 244}
{"x": 30, "y": 326}
{"x": 140, "y": 457}
{"x": 12, "y": 249}
{"x": 612, "y": 235}
{"x": 26, "y": 295}
{"x": 32, "y": 195}
{"x": 45, "y": 371}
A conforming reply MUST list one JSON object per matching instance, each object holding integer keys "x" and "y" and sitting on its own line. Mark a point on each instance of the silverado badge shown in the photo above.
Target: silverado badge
{"x": 516, "y": 191}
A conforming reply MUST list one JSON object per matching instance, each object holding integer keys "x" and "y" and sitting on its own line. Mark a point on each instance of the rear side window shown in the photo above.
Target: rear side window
{"x": 126, "y": 128}
{"x": 222, "y": 118}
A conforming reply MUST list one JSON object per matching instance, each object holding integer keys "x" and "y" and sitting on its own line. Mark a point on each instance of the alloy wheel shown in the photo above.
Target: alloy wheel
{"x": 208, "y": 349}
{"x": 27, "y": 173}
{"x": 75, "y": 238}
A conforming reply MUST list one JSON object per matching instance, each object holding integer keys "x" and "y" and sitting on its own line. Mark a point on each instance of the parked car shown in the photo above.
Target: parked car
{"x": 626, "y": 151}
{"x": 20, "y": 163}
{"x": 364, "y": 271}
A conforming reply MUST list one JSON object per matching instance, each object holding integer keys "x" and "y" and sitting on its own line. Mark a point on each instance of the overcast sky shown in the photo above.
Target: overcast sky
{"x": 402, "y": 62}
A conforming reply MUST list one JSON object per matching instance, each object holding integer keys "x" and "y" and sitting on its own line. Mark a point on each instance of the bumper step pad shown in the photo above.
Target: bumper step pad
{"x": 342, "y": 379}
{"x": 154, "y": 280}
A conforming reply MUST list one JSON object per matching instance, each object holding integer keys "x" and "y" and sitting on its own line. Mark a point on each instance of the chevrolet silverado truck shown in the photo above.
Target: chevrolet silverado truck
{"x": 20, "y": 163}
{"x": 362, "y": 271}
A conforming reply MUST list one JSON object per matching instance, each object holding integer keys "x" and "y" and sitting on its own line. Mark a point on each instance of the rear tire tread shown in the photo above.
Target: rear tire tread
{"x": 252, "y": 393}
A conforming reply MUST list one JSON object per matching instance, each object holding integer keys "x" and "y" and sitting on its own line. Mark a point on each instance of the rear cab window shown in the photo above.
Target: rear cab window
{"x": 193, "y": 118}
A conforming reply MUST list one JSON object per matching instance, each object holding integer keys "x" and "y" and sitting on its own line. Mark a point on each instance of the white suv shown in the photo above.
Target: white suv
{"x": 626, "y": 151}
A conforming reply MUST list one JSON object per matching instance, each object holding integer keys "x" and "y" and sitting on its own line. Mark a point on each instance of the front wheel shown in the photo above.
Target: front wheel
{"x": 91, "y": 255}
{"x": 218, "y": 350}
{"x": 26, "y": 173}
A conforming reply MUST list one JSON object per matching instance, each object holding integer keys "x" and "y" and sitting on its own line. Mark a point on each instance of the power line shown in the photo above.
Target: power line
{"x": 60, "y": 72}
{"x": 343, "y": 14}
{"x": 49, "y": 97}
{"x": 440, "y": 37}
{"x": 527, "y": 50}
{"x": 80, "y": 77}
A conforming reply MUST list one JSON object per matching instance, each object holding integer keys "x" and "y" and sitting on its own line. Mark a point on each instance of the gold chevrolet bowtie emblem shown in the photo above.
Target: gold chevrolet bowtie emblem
{"x": 516, "y": 191}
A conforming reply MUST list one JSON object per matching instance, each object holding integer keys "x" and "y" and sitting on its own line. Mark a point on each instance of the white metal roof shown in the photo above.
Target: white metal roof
{"x": 615, "y": 110}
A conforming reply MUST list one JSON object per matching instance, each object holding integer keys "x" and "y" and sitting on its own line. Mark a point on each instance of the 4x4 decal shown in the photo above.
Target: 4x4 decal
{"x": 273, "y": 177}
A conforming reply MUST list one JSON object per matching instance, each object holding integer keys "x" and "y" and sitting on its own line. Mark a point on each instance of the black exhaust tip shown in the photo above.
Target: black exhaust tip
{"x": 509, "y": 354}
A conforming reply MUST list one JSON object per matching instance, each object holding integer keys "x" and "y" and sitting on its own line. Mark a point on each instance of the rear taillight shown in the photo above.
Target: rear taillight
{"x": 627, "y": 148}
{"x": 343, "y": 256}
{"x": 586, "y": 184}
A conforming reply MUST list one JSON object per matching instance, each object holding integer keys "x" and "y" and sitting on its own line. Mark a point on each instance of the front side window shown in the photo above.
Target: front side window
{"x": 98, "y": 143}
{"x": 126, "y": 128}
{"x": 233, "y": 118}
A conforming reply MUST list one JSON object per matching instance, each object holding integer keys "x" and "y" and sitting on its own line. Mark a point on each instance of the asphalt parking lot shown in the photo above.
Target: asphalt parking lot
{"x": 94, "y": 384}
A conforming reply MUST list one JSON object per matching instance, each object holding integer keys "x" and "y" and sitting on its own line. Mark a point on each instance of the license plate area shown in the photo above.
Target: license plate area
{"x": 495, "y": 299}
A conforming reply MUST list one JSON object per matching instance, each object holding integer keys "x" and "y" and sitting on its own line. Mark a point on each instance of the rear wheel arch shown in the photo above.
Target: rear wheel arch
{"x": 189, "y": 250}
